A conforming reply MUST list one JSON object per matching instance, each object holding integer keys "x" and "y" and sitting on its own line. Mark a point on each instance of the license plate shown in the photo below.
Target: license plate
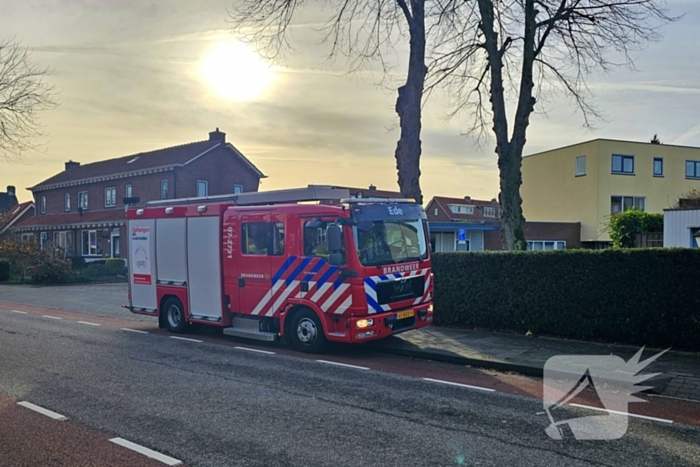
{"x": 404, "y": 314}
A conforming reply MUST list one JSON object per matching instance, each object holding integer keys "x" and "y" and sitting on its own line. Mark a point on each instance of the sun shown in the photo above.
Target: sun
{"x": 235, "y": 72}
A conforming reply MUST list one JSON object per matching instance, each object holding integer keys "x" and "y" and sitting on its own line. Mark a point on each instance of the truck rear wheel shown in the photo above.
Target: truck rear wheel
{"x": 175, "y": 316}
{"x": 307, "y": 332}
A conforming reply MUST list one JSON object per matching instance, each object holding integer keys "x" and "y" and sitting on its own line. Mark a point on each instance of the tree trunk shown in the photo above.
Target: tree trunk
{"x": 512, "y": 220}
{"x": 408, "y": 108}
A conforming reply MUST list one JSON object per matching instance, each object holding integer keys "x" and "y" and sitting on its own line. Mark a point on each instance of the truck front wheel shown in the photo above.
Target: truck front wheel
{"x": 175, "y": 316}
{"x": 307, "y": 332}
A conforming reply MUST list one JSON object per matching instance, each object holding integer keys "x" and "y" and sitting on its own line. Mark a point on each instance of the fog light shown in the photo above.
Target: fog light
{"x": 364, "y": 323}
{"x": 430, "y": 308}
{"x": 364, "y": 335}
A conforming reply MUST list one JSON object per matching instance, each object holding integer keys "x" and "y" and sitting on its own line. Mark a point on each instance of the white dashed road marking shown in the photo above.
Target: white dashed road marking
{"x": 20, "y": 312}
{"x": 622, "y": 413}
{"x": 267, "y": 352}
{"x": 89, "y": 323}
{"x": 51, "y": 317}
{"x": 167, "y": 460}
{"x": 343, "y": 364}
{"x": 185, "y": 339}
{"x": 134, "y": 330}
{"x": 43, "y": 411}
{"x": 459, "y": 384}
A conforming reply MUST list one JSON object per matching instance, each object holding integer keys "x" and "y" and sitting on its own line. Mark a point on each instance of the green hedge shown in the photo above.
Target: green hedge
{"x": 4, "y": 269}
{"x": 637, "y": 296}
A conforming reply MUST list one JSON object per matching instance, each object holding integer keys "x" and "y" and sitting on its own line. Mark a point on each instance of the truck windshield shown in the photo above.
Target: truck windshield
{"x": 390, "y": 242}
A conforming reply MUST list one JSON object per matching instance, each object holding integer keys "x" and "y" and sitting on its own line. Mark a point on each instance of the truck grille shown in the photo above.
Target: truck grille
{"x": 400, "y": 289}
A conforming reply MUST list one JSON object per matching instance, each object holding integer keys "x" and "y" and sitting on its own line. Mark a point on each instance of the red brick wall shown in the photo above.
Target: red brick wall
{"x": 570, "y": 232}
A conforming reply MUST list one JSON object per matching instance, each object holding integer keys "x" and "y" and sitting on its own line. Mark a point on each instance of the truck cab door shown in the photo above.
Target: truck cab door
{"x": 254, "y": 268}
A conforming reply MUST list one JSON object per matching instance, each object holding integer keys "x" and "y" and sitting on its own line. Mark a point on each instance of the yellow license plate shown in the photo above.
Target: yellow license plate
{"x": 404, "y": 314}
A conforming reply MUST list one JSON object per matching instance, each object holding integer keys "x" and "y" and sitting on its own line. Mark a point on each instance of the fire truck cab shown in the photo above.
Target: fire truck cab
{"x": 310, "y": 264}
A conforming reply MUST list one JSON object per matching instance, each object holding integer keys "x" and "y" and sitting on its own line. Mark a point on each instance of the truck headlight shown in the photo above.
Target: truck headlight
{"x": 364, "y": 323}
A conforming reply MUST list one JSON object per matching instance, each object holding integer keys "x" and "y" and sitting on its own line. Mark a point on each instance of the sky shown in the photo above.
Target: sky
{"x": 134, "y": 76}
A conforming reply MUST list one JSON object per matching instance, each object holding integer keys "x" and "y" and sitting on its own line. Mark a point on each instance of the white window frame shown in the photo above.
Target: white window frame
{"x": 90, "y": 233}
{"x": 83, "y": 200}
{"x": 461, "y": 209}
{"x": 558, "y": 245}
{"x": 580, "y": 171}
{"x": 43, "y": 204}
{"x": 43, "y": 238}
{"x": 60, "y": 239}
{"x": 110, "y": 197}
{"x": 27, "y": 237}
{"x": 66, "y": 202}
{"x": 237, "y": 189}
{"x": 128, "y": 191}
{"x": 206, "y": 188}
{"x": 489, "y": 211}
{"x": 164, "y": 184}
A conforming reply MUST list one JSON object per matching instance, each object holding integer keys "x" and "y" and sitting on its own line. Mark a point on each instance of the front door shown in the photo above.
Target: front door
{"x": 254, "y": 277}
{"x": 115, "y": 245}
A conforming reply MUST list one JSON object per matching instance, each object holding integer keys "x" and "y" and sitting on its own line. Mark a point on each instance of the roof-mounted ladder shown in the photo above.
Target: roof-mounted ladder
{"x": 294, "y": 195}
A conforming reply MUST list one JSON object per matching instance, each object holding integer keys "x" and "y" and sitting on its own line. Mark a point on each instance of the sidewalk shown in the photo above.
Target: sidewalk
{"x": 680, "y": 371}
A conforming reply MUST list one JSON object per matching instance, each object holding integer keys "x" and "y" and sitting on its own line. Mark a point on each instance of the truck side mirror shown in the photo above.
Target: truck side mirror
{"x": 335, "y": 240}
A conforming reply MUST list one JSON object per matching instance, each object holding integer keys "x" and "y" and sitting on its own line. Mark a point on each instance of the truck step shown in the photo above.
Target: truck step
{"x": 251, "y": 334}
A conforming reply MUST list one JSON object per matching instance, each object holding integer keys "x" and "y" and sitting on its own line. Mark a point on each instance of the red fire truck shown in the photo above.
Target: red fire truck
{"x": 312, "y": 264}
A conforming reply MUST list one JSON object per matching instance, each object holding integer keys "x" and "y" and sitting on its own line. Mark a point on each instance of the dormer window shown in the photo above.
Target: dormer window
{"x": 461, "y": 208}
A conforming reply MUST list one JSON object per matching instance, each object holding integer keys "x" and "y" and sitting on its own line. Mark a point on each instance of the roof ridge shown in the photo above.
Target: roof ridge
{"x": 148, "y": 152}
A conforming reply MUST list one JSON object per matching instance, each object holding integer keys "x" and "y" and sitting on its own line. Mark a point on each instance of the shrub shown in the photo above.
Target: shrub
{"x": 624, "y": 226}
{"x": 4, "y": 269}
{"x": 77, "y": 262}
{"x": 633, "y": 296}
{"x": 115, "y": 266}
{"x": 51, "y": 271}
{"x": 97, "y": 269}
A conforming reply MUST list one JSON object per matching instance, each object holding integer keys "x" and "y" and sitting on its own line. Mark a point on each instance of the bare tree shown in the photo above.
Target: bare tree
{"x": 523, "y": 51}
{"x": 364, "y": 31}
{"x": 23, "y": 96}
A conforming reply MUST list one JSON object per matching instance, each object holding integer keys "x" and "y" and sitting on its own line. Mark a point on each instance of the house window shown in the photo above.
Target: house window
{"x": 625, "y": 203}
{"x": 43, "y": 237}
{"x": 692, "y": 169}
{"x": 580, "y": 166}
{"x": 542, "y": 245}
{"x": 64, "y": 241}
{"x": 43, "y": 204}
{"x": 461, "y": 209}
{"x": 622, "y": 164}
{"x": 89, "y": 242}
{"x": 66, "y": 202}
{"x": 435, "y": 212}
{"x": 489, "y": 211}
{"x": 163, "y": 189}
{"x": 110, "y": 197}
{"x": 202, "y": 188}
{"x": 83, "y": 200}
{"x": 237, "y": 189}
{"x": 128, "y": 191}
{"x": 658, "y": 167}
{"x": 443, "y": 242}
{"x": 27, "y": 237}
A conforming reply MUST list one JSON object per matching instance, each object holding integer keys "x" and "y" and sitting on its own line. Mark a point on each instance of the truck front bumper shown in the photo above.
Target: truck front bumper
{"x": 382, "y": 325}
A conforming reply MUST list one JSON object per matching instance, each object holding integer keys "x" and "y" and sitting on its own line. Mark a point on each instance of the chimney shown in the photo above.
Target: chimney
{"x": 372, "y": 188}
{"x": 217, "y": 136}
{"x": 467, "y": 198}
{"x": 10, "y": 190}
{"x": 71, "y": 165}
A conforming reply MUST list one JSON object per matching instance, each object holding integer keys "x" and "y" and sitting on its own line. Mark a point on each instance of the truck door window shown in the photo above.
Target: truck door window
{"x": 277, "y": 238}
{"x": 315, "y": 243}
{"x": 254, "y": 236}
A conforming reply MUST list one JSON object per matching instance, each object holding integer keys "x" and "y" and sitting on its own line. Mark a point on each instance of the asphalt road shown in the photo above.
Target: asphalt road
{"x": 214, "y": 405}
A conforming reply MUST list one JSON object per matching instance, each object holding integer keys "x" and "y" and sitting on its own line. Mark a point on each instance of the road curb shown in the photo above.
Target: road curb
{"x": 657, "y": 383}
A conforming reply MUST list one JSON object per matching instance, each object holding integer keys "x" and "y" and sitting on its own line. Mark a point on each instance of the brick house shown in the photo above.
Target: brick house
{"x": 17, "y": 214}
{"x": 82, "y": 209}
{"x": 465, "y": 224}
{"x": 8, "y": 200}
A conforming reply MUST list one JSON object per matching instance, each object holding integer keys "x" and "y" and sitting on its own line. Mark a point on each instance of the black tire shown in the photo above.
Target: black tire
{"x": 306, "y": 332}
{"x": 175, "y": 316}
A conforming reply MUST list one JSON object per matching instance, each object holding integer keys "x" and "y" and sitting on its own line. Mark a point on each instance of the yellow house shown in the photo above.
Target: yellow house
{"x": 586, "y": 182}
